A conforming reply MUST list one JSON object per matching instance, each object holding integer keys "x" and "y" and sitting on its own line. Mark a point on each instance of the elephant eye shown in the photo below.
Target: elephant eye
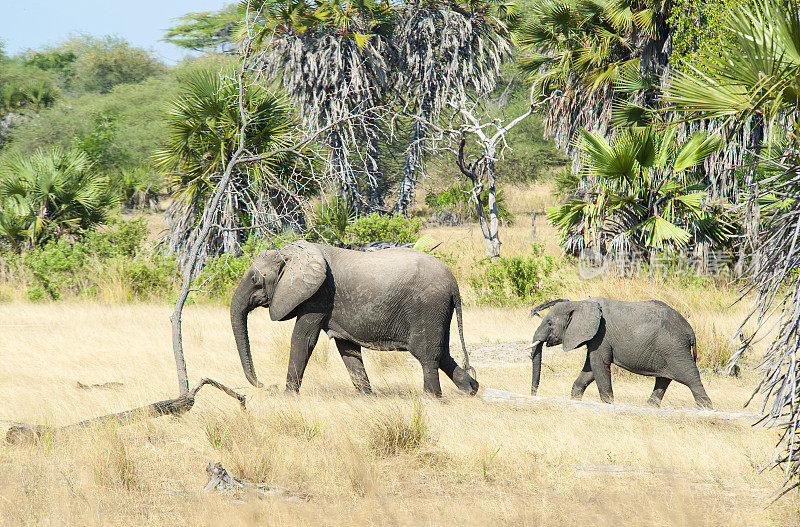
{"x": 256, "y": 277}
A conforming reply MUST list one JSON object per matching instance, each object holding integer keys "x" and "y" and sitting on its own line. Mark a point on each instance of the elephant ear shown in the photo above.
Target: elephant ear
{"x": 303, "y": 273}
{"x": 583, "y": 323}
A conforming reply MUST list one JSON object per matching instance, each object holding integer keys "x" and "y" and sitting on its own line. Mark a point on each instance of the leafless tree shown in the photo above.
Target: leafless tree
{"x": 470, "y": 123}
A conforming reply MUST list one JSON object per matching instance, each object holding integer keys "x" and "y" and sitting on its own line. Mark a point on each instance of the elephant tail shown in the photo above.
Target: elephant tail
{"x": 694, "y": 349}
{"x": 456, "y": 298}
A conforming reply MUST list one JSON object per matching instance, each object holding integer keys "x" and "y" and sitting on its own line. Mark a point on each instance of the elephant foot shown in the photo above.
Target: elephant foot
{"x": 655, "y": 403}
{"x": 705, "y": 404}
{"x": 364, "y": 390}
{"x": 291, "y": 391}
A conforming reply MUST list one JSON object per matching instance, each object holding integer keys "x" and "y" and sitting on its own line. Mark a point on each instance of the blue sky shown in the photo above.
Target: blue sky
{"x": 32, "y": 24}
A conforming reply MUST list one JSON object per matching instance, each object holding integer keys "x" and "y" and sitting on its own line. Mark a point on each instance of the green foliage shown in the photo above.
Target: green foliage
{"x": 25, "y": 87}
{"x": 203, "y": 124}
{"x": 106, "y": 62}
{"x": 205, "y": 31}
{"x": 62, "y": 63}
{"x": 644, "y": 190}
{"x": 51, "y": 194}
{"x": 753, "y": 76}
{"x": 456, "y": 201}
{"x": 514, "y": 280}
{"x": 138, "y": 126}
{"x": 63, "y": 268}
{"x": 139, "y": 188}
{"x": 587, "y": 39}
{"x": 699, "y": 31}
{"x": 376, "y": 227}
{"x": 529, "y": 157}
{"x": 98, "y": 142}
{"x": 565, "y": 182}
{"x": 330, "y": 220}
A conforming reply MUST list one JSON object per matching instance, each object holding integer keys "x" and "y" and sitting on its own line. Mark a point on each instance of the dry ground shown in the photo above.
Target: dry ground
{"x": 396, "y": 458}
{"x": 477, "y": 464}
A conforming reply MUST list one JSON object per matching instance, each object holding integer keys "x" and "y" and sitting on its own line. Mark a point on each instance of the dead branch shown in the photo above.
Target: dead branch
{"x": 21, "y": 432}
{"x": 220, "y": 480}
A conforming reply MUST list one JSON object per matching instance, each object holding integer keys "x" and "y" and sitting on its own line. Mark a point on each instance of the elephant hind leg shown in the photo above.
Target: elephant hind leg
{"x": 658, "y": 391}
{"x": 693, "y": 382}
{"x": 460, "y": 378}
{"x": 354, "y": 362}
{"x": 701, "y": 398}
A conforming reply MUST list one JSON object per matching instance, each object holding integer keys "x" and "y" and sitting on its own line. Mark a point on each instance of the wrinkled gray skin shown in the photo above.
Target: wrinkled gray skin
{"x": 649, "y": 338}
{"x": 395, "y": 299}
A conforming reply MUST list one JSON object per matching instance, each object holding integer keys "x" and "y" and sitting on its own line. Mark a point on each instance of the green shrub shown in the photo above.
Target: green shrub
{"x": 63, "y": 267}
{"x": 138, "y": 188}
{"x": 57, "y": 268}
{"x": 455, "y": 200}
{"x": 376, "y": 227}
{"x": 123, "y": 238}
{"x": 154, "y": 276}
{"x": 103, "y": 63}
{"x": 514, "y": 280}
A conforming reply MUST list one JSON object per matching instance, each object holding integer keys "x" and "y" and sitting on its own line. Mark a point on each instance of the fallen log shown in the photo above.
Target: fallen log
{"x": 515, "y": 399}
{"x": 21, "y": 432}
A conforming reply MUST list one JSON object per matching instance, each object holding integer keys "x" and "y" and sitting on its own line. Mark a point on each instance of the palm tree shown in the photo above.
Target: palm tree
{"x": 203, "y": 126}
{"x": 755, "y": 79}
{"x": 446, "y": 51}
{"x": 757, "y": 75}
{"x": 641, "y": 195}
{"x": 51, "y": 193}
{"x": 335, "y": 60}
{"x": 581, "y": 48}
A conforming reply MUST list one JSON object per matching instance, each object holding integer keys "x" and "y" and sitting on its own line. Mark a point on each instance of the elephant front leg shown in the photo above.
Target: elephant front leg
{"x": 354, "y": 362}
{"x": 585, "y": 378}
{"x": 600, "y": 361}
{"x": 304, "y": 338}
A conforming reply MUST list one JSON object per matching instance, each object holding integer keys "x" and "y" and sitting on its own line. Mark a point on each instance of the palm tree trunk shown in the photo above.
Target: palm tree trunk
{"x": 405, "y": 194}
{"x": 342, "y": 170}
{"x": 375, "y": 183}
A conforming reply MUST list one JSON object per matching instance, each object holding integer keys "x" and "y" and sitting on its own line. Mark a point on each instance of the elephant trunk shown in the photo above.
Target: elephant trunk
{"x": 536, "y": 359}
{"x": 240, "y": 308}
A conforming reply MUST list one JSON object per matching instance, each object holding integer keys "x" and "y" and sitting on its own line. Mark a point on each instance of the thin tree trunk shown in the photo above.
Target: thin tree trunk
{"x": 192, "y": 261}
{"x": 494, "y": 218}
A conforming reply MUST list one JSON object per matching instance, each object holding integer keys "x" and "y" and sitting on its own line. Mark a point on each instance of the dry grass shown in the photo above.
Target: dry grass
{"x": 395, "y": 458}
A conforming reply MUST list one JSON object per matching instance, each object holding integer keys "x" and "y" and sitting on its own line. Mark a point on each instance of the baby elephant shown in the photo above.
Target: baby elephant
{"x": 648, "y": 338}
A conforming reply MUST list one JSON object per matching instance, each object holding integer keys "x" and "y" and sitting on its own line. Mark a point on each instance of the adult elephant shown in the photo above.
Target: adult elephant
{"x": 395, "y": 299}
{"x": 649, "y": 338}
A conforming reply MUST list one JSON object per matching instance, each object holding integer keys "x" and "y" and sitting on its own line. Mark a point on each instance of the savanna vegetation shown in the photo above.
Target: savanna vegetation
{"x": 542, "y": 149}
